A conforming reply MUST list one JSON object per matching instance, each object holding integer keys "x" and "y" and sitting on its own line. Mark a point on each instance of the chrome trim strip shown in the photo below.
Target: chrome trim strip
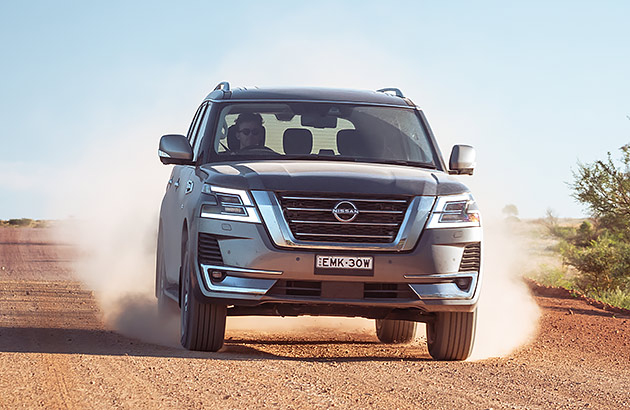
{"x": 409, "y": 233}
{"x": 430, "y": 287}
{"x": 236, "y": 284}
{"x": 252, "y": 216}
{"x": 439, "y": 275}
{"x": 242, "y": 270}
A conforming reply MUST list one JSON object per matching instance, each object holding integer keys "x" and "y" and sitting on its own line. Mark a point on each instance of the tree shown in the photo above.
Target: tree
{"x": 604, "y": 187}
{"x": 510, "y": 211}
{"x": 601, "y": 251}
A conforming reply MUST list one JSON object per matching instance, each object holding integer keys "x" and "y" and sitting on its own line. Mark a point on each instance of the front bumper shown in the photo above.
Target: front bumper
{"x": 252, "y": 268}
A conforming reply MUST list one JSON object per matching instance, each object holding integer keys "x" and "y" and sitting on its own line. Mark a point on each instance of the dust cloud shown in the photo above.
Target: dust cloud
{"x": 507, "y": 313}
{"x": 112, "y": 196}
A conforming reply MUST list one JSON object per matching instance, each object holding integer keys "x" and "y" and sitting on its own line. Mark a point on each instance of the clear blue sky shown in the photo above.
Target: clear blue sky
{"x": 535, "y": 87}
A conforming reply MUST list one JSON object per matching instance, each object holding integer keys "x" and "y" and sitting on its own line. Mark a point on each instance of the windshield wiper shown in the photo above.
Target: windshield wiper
{"x": 315, "y": 157}
{"x": 429, "y": 165}
{"x": 321, "y": 158}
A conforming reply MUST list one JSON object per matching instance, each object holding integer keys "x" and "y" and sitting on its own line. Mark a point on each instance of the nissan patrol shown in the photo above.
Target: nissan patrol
{"x": 314, "y": 201}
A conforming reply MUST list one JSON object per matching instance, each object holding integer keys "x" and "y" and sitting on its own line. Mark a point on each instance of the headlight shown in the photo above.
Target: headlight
{"x": 229, "y": 204}
{"x": 455, "y": 211}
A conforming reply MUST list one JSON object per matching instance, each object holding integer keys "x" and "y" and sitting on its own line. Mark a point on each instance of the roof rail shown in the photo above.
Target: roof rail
{"x": 396, "y": 91}
{"x": 223, "y": 85}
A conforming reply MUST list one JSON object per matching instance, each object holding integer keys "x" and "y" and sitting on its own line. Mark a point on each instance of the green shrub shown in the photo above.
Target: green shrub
{"x": 552, "y": 276}
{"x": 603, "y": 264}
{"x": 20, "y": 222}
{"x": 25, "y": 223}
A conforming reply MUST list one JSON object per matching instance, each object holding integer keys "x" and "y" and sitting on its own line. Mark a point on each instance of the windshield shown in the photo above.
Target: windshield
{"x": 324, "y": 131}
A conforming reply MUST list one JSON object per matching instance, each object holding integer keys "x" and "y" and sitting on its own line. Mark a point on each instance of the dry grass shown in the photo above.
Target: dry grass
{"x": 545, "y": 261}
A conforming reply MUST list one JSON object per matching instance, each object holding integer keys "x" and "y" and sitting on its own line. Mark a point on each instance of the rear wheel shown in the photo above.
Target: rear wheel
{"x": 202, "y": 324}
{"x": 395, "y": 331}
{"x": 452, "y": 335}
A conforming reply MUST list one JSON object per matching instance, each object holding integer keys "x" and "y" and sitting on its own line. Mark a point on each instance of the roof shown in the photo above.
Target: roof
{"x": 224, "y": 93}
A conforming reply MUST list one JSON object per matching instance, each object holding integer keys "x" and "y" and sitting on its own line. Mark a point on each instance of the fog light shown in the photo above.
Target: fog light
{"x": 463, "y": 283}
{"x": 217, "y": 275}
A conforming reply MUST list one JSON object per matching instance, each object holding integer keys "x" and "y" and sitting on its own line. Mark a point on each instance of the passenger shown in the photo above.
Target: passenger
{"x": 249, "y": 131}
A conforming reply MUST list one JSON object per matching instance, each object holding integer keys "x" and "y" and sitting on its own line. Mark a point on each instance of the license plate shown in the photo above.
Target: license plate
{"x": 344, "y": 265}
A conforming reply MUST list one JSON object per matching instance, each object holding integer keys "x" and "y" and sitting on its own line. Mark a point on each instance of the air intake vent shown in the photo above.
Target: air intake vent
{"x": 352, "y": 218}
{"x": 388, "y": 291}
{"x": 209, "y": 251}
{"x": 471, "y": 259}
{"x": 296, "y": 288}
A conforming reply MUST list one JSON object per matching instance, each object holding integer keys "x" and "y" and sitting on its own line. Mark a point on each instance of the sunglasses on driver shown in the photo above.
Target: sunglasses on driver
{"x": 254, "y": 131}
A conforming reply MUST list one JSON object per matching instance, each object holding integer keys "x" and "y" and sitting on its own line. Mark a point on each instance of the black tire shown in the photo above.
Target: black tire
{"x": 395, "y": 331}
{"x": 452, "y": 335}
{"x": 202, "y": 324}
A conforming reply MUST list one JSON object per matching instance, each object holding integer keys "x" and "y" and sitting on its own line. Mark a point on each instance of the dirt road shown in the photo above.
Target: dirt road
{"x": 56, "y": 353}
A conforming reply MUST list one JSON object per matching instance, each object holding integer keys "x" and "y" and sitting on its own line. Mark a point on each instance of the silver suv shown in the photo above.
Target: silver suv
{"x": 313, "y": 201}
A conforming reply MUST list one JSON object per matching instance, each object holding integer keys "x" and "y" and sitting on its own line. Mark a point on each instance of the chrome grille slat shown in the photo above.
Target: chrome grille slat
{"x": 344, "y": 223}
{"x": 345, "y": 236}
{"x": 310, "y": 217}
{"x": 400, "y": 201}
{"x": 330, "y": 210}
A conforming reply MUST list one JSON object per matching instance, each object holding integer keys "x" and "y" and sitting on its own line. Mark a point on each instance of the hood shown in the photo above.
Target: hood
{"x": 332, "y": 176}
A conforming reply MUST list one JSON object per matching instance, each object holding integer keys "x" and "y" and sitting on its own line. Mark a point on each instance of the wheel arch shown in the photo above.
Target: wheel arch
{"x": 184, "y": 244}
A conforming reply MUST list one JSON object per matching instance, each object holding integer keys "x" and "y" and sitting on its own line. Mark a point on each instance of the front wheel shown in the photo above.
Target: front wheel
{"x": 202, "y": 324}
{"x": 451, "y": 335}
{"x": 395, "y": 331}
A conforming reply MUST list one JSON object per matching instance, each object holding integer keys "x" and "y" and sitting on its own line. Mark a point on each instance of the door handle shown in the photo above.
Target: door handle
{"x": 189, "y": 187}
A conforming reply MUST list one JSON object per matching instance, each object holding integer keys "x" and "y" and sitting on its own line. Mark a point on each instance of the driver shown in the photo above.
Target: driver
{"x": 250, "y": 131}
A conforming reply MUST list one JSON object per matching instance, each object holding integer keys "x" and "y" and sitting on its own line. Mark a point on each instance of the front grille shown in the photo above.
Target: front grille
{"x": 310, "y": 217}
{"x": 209, "y": 252}
{"x": 471, "y": 259}
{"x": 388, "y": 291}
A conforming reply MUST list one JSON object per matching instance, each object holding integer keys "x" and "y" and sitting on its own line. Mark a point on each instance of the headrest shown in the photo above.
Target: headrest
{"x": 350, "y": 143}
{"x": 297, "y": 141}
{"x": 232, "y": 142}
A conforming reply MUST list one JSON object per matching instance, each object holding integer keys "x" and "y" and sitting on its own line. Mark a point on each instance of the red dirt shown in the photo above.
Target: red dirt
{"x": 56, "y": 353}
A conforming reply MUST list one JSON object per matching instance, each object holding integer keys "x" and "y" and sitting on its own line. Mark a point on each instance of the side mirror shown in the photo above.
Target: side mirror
{"x": 175, "y": 149}
{"x": 462, "y": 160}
